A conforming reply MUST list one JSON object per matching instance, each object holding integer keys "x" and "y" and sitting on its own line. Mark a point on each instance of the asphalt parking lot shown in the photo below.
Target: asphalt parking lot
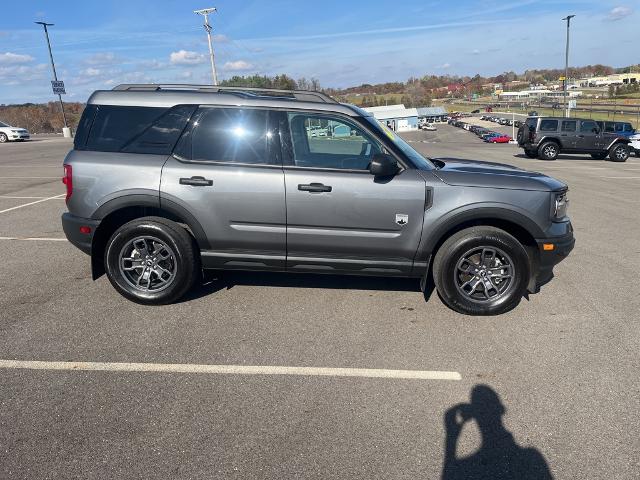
{"x": 552, "y": 385}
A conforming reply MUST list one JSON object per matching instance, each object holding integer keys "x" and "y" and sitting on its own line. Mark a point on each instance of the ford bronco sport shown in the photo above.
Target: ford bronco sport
{"x": 546, "y": 137}
{"x": 167, "y": 180}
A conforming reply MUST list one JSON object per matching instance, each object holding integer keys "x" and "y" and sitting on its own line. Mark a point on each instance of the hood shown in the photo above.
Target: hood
{"x": 471, "y": 173}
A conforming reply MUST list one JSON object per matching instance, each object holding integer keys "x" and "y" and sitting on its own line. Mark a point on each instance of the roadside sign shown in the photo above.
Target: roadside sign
{"x": 58, "y": 87}
{"x": 572, "y": 103}
{"x": 562, "y": 78}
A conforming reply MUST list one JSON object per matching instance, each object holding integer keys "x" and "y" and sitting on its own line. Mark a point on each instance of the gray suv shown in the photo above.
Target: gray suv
{"x": 167, "y": 180}
{"x": 546, "y": 137}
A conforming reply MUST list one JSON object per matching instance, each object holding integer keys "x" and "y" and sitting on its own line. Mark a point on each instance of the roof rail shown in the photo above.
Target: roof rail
{"x": 301, "y": 95}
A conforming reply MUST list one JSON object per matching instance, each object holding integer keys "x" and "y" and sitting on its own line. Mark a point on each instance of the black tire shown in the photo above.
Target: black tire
{"x": 447, "y": 274}
{"x": 183, "y": 260}
{"x": 599, "y": 156}
{"x": 619, "y": 152}
{"x": 3, "y": 138}
{"x": 531, "y": 153}
{"x": 549, "y": 150}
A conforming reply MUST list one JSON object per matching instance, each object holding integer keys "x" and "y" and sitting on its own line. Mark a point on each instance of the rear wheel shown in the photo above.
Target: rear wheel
{"x": 152, "y": 261}
{"x": 481, "y": 271}
{"x": 599, "y": 156}
{"x": 531, "y": 153}
{"x": 548, "y": 151}
{"x": 619, "y": 153}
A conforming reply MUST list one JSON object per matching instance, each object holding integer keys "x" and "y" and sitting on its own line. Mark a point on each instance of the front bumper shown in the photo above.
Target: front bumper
{"x": 549, "y": 258}
{"x": 19, "y": 136}
{"x": 71, "y": 226}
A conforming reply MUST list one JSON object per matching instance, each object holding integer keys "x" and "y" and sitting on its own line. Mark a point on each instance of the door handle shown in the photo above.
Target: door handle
{"x": 196, "y": 181}
{"x": 314, "y": 188}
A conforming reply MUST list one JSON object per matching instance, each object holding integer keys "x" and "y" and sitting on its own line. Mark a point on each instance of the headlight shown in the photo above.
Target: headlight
{"x": 560, "y": 205}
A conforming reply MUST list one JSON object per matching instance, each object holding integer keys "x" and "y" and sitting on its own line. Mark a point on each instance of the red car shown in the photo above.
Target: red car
{"x": 500, "y": 139}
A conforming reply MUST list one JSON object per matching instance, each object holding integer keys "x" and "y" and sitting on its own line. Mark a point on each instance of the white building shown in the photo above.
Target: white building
{"x": 396, "y": 117}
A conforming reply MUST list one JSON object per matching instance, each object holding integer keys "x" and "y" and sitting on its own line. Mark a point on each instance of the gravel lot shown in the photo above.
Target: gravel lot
{"x": 554, "y": 384}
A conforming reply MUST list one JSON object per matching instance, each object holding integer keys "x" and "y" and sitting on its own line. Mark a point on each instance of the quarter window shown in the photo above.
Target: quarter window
{"x": 114, "y": 126}
{"x": 549, "y": 125}
{"x": 568, "y": 126}
{"x": 325, "y": 142}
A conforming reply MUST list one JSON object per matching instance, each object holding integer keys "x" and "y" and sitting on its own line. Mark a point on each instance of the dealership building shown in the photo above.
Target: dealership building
{"x": 396, "y": 117}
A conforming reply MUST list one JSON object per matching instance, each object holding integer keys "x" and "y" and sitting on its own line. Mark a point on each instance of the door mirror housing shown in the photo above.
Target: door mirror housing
{"x": 383, "y": 165}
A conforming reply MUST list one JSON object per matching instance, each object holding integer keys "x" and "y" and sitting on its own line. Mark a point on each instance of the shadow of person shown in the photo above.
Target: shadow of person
{"x": 499, "y": 456}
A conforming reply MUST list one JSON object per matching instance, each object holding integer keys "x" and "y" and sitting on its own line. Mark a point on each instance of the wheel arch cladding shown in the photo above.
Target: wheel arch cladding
{"x": 115, "y": 213}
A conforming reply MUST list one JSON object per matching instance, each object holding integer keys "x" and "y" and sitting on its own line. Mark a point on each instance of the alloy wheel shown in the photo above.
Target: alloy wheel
{"x": 148, "y": 264}
{"x": 484, "y": 274}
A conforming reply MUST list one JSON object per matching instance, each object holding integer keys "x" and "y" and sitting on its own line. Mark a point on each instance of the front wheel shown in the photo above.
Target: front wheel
{"x": 3, "y": 138}
{"x": 152, "y": 261}
{"x": 481, "y": 271}
{"x": 619, "y": 153}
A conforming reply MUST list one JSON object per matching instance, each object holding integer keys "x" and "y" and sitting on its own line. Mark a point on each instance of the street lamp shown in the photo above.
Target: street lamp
{"x": 66, "y": 132}
{"x": 205, "y": 12}
{"x": 566, "y": 64}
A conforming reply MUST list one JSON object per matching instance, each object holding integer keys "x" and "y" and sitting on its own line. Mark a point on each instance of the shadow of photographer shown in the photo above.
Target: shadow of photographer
{"x": 499, "y": 456}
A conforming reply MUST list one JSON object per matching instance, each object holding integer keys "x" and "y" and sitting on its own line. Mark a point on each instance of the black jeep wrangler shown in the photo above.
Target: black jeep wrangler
{"x": 546, "y": 137}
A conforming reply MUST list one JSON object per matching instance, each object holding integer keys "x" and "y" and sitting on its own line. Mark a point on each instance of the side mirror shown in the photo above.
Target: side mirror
{"x": 383, "y": 165}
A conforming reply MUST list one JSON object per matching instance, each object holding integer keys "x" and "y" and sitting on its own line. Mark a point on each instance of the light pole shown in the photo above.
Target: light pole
{"x": 205, "y": 13}
{"x": 55, "y": 76}
{"x": 566, "y": 65}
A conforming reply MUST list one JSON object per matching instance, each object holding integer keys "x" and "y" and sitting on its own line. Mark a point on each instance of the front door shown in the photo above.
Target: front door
{"x": 225, "y": 173}
{"x": 340, "y": 218}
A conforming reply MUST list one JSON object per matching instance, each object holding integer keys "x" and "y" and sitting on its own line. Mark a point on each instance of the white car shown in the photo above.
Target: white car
{"x": 635, "y": 144}
{"x": 7, "y": 132}
{"x": 428, "y": 126}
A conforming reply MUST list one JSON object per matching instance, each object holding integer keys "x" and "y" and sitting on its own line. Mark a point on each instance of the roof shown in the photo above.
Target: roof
{"x": 431, "y": 111}
{"x": 151, "y": 95}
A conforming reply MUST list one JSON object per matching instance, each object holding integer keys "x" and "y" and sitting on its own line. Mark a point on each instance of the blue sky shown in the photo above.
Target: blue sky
{"x": 99, "y": 44}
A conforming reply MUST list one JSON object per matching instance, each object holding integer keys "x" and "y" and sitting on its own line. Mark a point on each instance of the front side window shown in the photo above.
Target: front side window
{"x": 589, "y": 127}
{"x": 628, "y": 127}
{"x": 568, "y": 126}
{"x": 230, "y": 135}
{"x": 549, "y": 125}
{"x": 321, "y": 141}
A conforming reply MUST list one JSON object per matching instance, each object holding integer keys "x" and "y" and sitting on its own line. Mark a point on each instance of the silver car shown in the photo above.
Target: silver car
{"x": 167, "y": 180}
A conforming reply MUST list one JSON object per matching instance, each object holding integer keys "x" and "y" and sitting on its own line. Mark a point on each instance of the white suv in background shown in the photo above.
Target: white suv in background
{"x": 7, "y": 132}
{"x": 635, "y": 144}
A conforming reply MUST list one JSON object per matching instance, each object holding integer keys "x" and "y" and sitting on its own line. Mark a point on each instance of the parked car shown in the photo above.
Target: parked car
{"x": 428, "y": 126}
{"x": 226, "y": 179}
{"x": 475, "y": 111}
{"x": 9, "y": 133}
{"x": 623, "y": 129}
{"x": 546, "y": 137}
{"x": 500, "y": 138}
{"x": 635, "y": 143}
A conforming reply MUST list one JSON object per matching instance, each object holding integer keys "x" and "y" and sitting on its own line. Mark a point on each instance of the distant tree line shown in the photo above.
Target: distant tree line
{"x": 41, "y": 117}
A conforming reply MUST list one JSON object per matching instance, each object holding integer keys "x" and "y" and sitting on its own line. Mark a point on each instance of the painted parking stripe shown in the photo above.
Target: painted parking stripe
{"x": 28, "y": 177}
{"x": 42, "y": 239}
{"x": 231, "y": 369}
{"x": 17, "y": 197}
{"x": 32, "y": 203}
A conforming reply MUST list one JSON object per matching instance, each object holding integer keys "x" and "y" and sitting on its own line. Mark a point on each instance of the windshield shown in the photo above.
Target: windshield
{"x": 421, "y": 162}
{"x": 2, "y": 124}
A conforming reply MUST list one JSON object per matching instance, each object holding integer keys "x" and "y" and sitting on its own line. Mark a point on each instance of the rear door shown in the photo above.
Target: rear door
{"x": 569, "y": 134}
{"x": 339, "y": 217}
{"x": 226, "y": 174}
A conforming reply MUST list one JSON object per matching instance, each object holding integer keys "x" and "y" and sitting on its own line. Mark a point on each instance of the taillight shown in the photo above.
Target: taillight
{"x": 67, "y": 179}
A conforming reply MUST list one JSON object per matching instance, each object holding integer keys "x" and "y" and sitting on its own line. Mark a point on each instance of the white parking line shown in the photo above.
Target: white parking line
{"x": 28, "y": 177}
{"x": 32, "y": 203}
{"x": 24, "y": 198}
{"x": 232, "y": 369}
{"x": 624, "y": 178}
{"x": 42, "y": 239}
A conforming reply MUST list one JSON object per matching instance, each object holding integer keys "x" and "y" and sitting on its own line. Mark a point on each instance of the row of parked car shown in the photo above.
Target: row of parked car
{"x": 487, "y": 135}
{"x": 502, "y": 121}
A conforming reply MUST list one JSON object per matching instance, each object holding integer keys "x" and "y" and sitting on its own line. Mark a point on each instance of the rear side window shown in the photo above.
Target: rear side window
{"x": 230, "y": 135}
{"x": 568, "y": 126}
{"x": 86, "y": 120}
{"x": 609, "y": 127}
{"x": 163, "y": 134}
{"x": 548, "y": 125}
{"x": 114, "y": 126}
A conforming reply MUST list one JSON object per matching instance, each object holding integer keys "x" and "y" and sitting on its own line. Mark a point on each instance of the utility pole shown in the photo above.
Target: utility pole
{"x": 55, "y": 76}
{"x": 205, "y": 13}
{"x": 566, "y": 65}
